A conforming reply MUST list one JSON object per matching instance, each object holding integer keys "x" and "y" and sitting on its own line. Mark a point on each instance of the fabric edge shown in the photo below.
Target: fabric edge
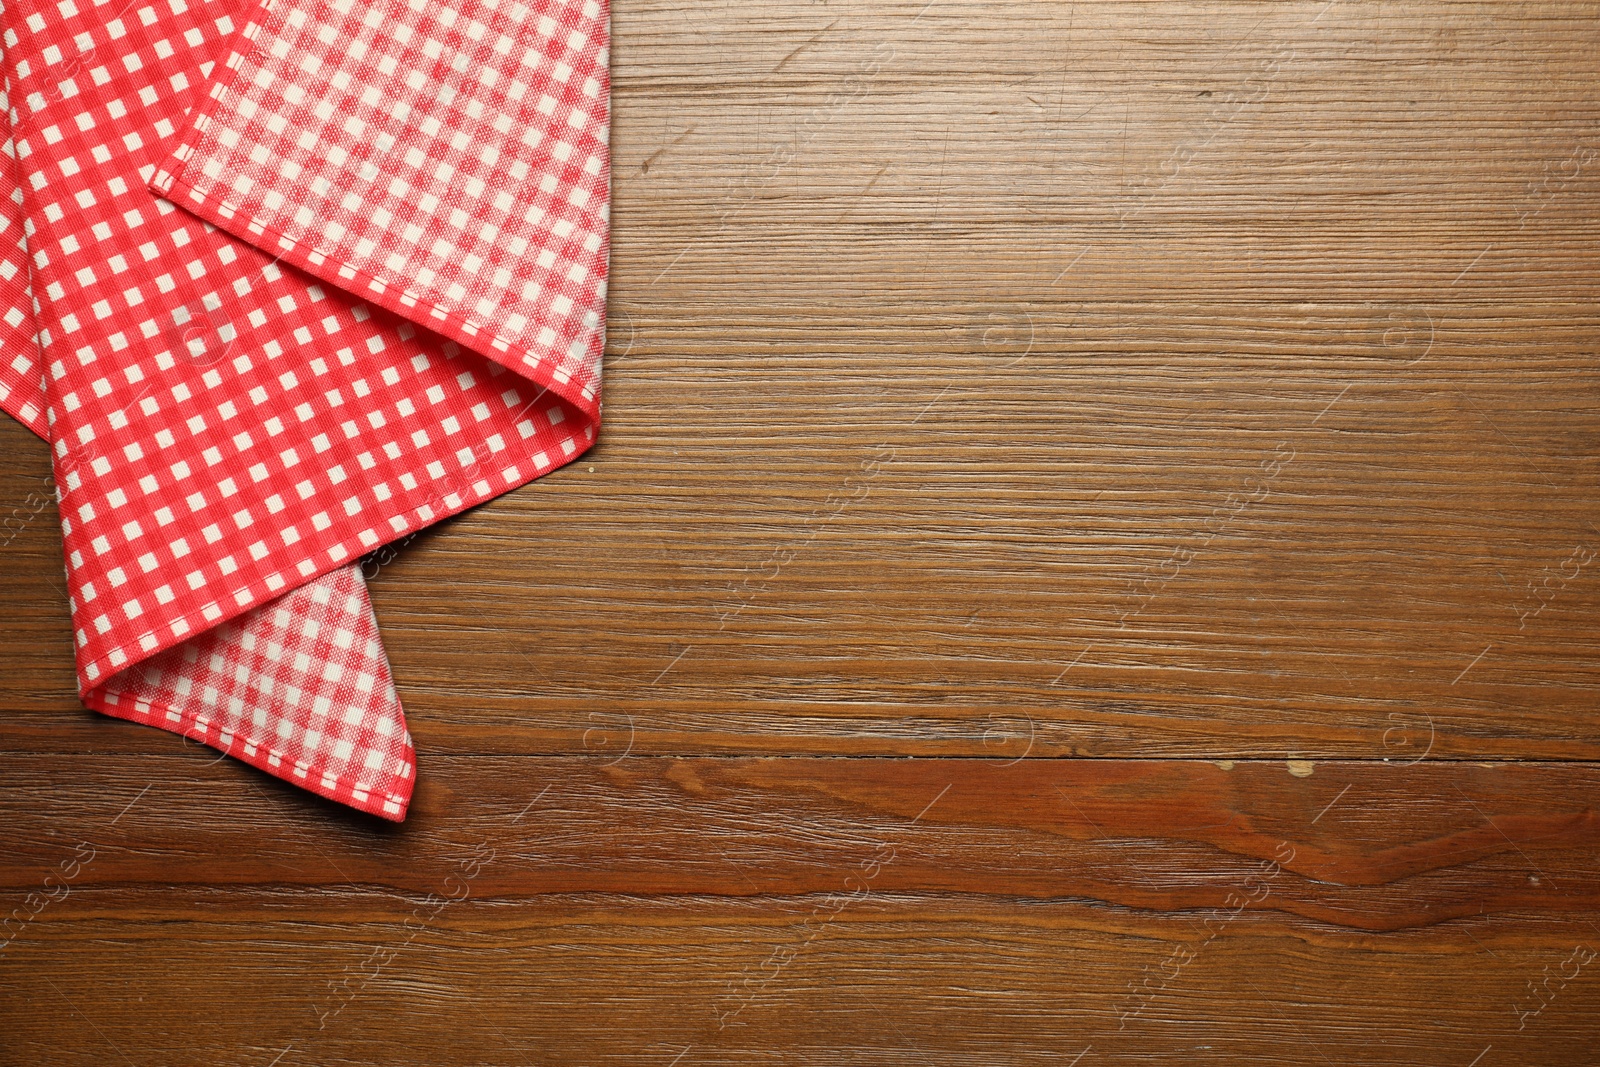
{"x": 441, "y": 321}
{"x": 36, "y": 426}
{"x": 390, "y": 801}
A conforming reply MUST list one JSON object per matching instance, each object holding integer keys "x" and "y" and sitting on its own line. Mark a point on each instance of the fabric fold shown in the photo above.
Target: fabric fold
{"x": 447, "y": 162}
{"x": 299, "y": 688}
{"x": 262, "y": 688}
{"x": 382, "y": 303}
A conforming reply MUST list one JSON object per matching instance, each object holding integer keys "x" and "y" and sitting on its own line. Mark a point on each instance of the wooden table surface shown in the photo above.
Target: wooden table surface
{"x": 1092, "y": 559}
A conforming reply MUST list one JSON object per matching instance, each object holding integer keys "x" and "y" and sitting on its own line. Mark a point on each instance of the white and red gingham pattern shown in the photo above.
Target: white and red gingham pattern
{"x": 225, "y": 430}
{"x": 22, "y": 392}
{"x": 233, "y": 430}
{"x": 299, "y": 687}
{"x": 447, "y": 161}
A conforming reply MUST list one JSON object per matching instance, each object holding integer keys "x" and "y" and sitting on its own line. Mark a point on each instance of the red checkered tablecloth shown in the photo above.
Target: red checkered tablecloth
{"x": 282, "y": 282}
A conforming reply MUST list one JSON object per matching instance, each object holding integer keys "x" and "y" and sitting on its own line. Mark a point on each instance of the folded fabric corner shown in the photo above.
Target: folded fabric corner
{"x": 299, "y": 688}
{"x": 448, "y": 162}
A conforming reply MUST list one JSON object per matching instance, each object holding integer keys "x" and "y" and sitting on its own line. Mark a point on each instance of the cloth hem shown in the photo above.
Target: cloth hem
{"x": 390, "y": 799}
{"x": 431, "y": 317}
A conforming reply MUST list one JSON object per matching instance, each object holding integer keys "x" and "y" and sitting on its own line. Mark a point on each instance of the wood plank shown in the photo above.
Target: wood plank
{"x": 895, "y": 979}
{"x": 1358, "y": 844}
{"x": 809, "y": 911}
{"x": 1330, "y": 265}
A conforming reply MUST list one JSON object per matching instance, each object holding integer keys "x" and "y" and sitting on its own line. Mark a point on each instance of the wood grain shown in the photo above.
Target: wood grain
{"x": 808, "y": 910}
{"x": 1074, "y": 398}
{"x": 1359, "y": 844}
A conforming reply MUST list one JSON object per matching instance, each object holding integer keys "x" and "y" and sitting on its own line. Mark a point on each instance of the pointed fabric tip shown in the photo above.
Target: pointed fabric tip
{"x": 299, "y": 688}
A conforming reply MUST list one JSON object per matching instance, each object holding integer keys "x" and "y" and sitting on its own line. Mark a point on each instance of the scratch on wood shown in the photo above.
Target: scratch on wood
{"x": 785, "y": 61}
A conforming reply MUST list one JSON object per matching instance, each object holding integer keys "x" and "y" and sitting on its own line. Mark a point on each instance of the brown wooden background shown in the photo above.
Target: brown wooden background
{"x": 1174, "y": 425}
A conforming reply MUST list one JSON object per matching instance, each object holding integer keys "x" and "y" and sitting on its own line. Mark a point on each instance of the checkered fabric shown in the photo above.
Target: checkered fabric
{"x": 22, "y": 390}
{"x": 262, "y": 688}
{"x": 447, "y": 162}
{"x": 243, "y": 400}
{"x": 299, "y": 688}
